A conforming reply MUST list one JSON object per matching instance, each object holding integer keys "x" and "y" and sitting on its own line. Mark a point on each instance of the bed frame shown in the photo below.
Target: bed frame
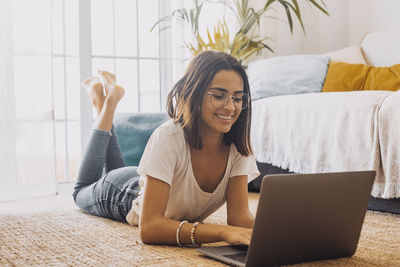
{"x": 391, "y": 205}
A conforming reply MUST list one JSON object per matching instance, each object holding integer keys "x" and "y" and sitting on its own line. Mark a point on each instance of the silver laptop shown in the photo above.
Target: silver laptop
{"x": 303, "y": 217}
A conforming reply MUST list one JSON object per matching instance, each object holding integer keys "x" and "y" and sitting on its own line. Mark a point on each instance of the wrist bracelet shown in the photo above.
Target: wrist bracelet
{"x": 177, "y": 232}
{"x": 192, "y": 234}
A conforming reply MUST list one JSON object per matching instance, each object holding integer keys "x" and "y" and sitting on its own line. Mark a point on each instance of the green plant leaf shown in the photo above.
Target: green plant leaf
{"x": 245, "y": 42}
{"x": 323, "y": 10}
{"x": 288, "y": 14}
{"x": 296, "y": 9}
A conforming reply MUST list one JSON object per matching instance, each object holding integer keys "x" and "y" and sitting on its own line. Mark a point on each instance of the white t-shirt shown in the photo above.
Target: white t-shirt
{"x": 167, "y": 158}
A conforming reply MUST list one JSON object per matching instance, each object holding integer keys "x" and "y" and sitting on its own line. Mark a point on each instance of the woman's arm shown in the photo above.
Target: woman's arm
{"x": 156, "y": 229}
{"x": 238, "y": 203}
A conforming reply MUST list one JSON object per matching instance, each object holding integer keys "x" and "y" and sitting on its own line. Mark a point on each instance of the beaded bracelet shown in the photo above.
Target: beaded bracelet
{"x": 192, "y": 234}
{"x": 177, "y": 232}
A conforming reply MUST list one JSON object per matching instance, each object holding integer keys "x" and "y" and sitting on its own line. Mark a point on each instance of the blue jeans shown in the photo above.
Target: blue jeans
{"x": 108, "y": 195}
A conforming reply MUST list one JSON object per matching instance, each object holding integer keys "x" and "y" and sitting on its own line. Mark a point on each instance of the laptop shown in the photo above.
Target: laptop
{"x": 303, "y": 217}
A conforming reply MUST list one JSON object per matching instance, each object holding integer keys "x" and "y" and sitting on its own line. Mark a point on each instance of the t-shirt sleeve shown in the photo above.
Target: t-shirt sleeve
{"x": 245, "y": 165}
{"x": 160, "y": 156}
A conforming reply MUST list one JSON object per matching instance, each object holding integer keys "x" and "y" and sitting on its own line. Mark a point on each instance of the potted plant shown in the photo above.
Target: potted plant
{"x": 245, "y": 41}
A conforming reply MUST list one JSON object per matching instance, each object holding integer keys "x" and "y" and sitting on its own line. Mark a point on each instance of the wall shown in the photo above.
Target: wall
{"x": 371, "y": 15}
{"x": 348, "y": 22}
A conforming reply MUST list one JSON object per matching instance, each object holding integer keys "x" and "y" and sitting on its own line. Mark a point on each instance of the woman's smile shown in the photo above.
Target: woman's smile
{"x": 225, "y": 118}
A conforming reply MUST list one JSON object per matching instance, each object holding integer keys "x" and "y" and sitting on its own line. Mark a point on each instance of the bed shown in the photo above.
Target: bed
{"x": 306, "y": 131}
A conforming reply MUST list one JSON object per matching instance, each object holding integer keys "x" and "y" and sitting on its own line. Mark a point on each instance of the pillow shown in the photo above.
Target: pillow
{"x": 350, "y": 54}
{"x": 133, "y": 130}
{"x": 352, "y": 77}
{"x": 287, "y": 75}
{"x": 383, "y": 78}
{"x": 345, "y": 77}
{"x": 381, "y": 49}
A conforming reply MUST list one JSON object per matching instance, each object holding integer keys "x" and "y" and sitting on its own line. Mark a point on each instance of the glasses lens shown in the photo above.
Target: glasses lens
{"x": 219, "y": 100}
{"x": 242, "y": 101}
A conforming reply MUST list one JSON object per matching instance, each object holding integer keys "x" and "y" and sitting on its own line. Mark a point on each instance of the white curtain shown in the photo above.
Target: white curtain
{"x": 27, "y": 161}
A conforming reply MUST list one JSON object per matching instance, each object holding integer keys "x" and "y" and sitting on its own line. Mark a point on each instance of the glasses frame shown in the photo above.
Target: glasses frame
{"x": 245, "y": 104}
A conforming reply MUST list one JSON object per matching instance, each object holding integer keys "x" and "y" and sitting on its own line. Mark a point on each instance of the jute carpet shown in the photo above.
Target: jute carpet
{"x": 52, "y": 231}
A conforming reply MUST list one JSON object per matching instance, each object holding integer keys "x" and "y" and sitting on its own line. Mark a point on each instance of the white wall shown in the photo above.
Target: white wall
{"x": 371, "y": 15}
{"x": 348, "y": 22}
{"x": 323, "y": 33}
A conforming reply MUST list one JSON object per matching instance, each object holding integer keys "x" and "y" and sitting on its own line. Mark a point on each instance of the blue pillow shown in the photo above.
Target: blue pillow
{"x": 287, "y": 75}
{"x": 133, "y": 131}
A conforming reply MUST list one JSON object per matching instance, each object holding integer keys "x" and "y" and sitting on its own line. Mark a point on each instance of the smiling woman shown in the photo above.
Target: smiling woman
{"x": 191, "y": 166}
{"x": 226, "y": 86}
{"x": 212, "y": 72}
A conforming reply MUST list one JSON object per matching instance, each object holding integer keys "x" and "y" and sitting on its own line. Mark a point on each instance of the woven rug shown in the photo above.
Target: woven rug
{"x": 52, "y": 231}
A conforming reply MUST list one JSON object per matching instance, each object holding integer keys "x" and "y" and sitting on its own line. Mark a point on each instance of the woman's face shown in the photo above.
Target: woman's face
{"x": 221, "y": 105}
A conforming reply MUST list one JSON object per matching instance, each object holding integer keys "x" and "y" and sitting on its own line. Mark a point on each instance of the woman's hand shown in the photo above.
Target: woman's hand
{"x": 156, "y": 229}
{"x": 237, "y": 235}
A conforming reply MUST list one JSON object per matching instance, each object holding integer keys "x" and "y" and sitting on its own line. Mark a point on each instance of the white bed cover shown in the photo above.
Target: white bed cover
{"x": 329, "y": 132}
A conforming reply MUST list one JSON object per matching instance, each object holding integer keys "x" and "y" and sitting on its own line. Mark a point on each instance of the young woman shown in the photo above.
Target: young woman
{"x": 192, "y": 164}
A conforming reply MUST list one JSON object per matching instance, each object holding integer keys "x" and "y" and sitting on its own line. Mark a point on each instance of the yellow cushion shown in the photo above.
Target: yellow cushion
{"x": 345, "y": 77}
{"x": 353, "y": 77}
{"x": 383, "y": 78}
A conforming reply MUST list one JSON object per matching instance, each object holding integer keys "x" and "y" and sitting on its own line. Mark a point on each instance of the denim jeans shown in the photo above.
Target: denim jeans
{"x": 108, "y": 195}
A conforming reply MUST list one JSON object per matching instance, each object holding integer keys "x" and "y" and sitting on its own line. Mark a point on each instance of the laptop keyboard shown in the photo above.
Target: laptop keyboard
{"x": 240, "y": 257}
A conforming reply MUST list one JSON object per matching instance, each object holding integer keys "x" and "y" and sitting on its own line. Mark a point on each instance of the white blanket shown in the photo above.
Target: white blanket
{"x": 329, "y": 132}
{"x": 388, "y": 185}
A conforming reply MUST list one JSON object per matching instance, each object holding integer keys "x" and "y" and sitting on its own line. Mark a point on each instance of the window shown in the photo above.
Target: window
{"x": 65, "y": 86}
{"x": 58, "y": 43}
{"x": 65, "y": 41}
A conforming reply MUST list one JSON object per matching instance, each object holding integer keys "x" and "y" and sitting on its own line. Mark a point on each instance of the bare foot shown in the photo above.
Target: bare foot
{"x": 95, "y": 90}
{"x": 108, "y": 79}
{"x": 115, "y": 94}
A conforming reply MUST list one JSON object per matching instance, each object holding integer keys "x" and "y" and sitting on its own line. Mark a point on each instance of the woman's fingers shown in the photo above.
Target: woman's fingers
{"x": 238, "y": 235}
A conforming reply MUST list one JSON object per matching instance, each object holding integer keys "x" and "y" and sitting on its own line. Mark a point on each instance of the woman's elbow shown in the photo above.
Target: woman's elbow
{"x": 145, "y": 234}
{"x": 232, "y": 222}
{"x": 233, "y": 219}
{"x": 241, "y": 219}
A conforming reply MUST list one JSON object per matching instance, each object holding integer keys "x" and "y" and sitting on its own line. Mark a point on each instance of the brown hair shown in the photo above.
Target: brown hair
{"x": 185, "y": 99}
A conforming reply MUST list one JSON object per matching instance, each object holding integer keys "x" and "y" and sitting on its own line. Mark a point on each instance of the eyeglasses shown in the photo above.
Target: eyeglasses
{"x": 220, "y": 99}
